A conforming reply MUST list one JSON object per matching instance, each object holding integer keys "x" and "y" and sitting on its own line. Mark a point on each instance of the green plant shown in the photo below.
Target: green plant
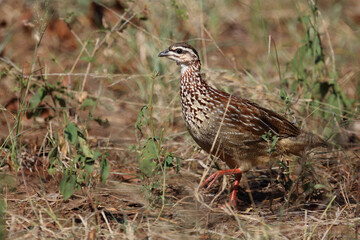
{"x": 153, "y": 159}
{"x": 314, "y": 79}
{"x": 81, "y": 168}
{"x": 78, "y": 162}
{"x": 271, "y": 139}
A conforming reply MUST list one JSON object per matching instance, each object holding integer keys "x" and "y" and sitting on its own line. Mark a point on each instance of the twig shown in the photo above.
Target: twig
{"x": 107, "y": 222}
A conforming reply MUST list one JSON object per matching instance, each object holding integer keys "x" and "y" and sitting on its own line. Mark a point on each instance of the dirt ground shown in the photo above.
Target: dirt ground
{"x": 107, "y": 52}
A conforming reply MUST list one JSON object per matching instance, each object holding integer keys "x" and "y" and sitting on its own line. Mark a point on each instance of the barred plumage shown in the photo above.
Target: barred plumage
{"x": 242, "y": 123}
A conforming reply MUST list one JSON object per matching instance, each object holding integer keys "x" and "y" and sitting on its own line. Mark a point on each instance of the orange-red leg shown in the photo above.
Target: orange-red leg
{"x": 233, "y": 195}
{"x": 237, "y": 172}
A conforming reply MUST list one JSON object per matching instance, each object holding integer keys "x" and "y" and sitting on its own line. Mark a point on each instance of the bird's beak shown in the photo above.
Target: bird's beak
{"x": 164, "y": 53}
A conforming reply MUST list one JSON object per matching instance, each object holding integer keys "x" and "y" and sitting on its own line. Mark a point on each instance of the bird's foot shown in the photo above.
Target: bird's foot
{"x": 211, "y": 180}
{"x": 233, "y": 196}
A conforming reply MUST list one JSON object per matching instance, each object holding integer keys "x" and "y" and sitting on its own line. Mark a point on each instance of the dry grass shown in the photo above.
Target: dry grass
{"x": 113, "y": 62}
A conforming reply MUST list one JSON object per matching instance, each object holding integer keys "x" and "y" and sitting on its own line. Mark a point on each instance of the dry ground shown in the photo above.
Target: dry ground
{"x": 108, "y": 52}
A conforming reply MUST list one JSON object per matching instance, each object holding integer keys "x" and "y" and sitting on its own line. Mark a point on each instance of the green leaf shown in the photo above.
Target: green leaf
{"x": 97, "y": 154}
{"x": 88, "y": 103}
{"x": 51, "y": 169}
{"x": 283, "y": 94}
{"x": 306, "y": 19}
{"x": 81, "y": 179}
{"x": 140, "y": 119}
{"x": 104, "y": 170}
{"x": 266, "y": 136}
{"x": 69, "y": 17}
{"x": 147, "y": 157}
{"x": 71, "y": 133}
{"x": 89, "y": 165}
{"x": 53, "y": 157}
{"x": 37, "y": 98}
{"x": 274, "y": 140}
{"x": 87, "y": 152}
{"x": 67, "y": 185}
{"x": 169, "y": 161}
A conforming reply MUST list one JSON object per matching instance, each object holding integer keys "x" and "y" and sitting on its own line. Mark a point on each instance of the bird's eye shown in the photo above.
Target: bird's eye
{"x": 179, "y": 50}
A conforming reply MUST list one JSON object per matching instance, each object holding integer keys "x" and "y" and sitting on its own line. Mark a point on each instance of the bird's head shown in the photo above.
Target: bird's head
{"x": 181, "y": 53}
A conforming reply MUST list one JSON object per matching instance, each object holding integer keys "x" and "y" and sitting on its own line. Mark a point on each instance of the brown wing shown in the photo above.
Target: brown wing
{"x": 258, "y": 120}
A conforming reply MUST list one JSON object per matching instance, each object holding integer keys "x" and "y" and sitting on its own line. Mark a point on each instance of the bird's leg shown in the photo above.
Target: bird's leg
{"x": 233, "y": 195}
{"x": 220, "y": 173}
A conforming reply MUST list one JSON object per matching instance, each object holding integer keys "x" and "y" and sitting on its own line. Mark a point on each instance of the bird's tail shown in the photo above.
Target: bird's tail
{"x": 315, "y": 141}
{"x": 303, "y": 142}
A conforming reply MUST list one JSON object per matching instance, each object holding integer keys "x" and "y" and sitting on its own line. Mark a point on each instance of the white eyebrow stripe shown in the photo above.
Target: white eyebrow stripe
{"x": 180, "y": 47}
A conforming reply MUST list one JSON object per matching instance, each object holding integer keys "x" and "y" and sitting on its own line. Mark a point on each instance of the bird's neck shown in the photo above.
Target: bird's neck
{"x": 191, "y": 77}
{"x": 193, "y": 94}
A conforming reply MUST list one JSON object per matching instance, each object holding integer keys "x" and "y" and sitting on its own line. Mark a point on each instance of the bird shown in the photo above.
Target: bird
{"x": 232, "y": 128}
